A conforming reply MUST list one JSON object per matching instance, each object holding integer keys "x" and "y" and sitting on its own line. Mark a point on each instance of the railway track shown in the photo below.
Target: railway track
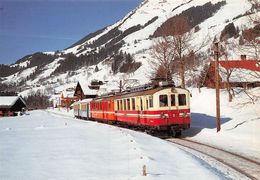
{"x": 248, "y": 167}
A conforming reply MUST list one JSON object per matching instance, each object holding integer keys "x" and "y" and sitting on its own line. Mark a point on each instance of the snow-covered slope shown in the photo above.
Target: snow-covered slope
{"x": 134, "y": 34}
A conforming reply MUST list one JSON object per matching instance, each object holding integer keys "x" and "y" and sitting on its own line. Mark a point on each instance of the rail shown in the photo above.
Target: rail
{"x": 243, "y": 165}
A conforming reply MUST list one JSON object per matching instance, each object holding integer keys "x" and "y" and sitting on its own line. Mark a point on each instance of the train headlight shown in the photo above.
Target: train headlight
{"x": 163, "y": 116}
{"x": 185, "y": 114}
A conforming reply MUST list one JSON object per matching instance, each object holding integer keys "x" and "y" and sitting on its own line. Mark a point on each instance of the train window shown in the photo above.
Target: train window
{"x": 133, "y": 104}
{"x": 128, "y": 104}
{"x": 163, "y": 100}
{"x": 118, "y": 105}
{"x": 124, "y": 104}
{"x": 141, "y": 104}
{"x": 150, "y": 101}
{"x": 173, "y": 100}
{"x": 121, "y": 104}
{"x": 101, "y": 106}
{"x": 182, "y": 99}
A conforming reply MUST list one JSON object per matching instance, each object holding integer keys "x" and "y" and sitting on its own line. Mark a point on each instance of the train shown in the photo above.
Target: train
{"x": 162, "y": 109}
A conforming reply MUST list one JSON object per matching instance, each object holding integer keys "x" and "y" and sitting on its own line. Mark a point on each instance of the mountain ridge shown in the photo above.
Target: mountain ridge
{"x": 134, "y": 35}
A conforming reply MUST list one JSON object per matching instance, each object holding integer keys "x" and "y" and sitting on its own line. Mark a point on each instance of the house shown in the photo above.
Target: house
{"x": 83, "y": 91}
{"x": 67, "y": 98}
{"x": 10, "y": 105}
{"x": 241, "y": 73}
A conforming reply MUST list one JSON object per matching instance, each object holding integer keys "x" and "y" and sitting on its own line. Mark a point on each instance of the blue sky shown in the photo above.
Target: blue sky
{"x": 28, "y": 26}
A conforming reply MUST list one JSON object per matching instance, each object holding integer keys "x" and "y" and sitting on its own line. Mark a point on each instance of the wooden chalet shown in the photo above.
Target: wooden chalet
{"x": 83, "y": 91}
{"x": 11, "y": 105}
{"x": 242, "y": 73}
{"x": 67, "y": 98}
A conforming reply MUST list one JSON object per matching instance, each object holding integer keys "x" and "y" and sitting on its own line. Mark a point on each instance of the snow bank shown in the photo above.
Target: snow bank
{"x": 240, "y": 121}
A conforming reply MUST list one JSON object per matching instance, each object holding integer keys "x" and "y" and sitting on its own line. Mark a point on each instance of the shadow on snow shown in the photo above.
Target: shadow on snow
{"x": 202, "y": 121}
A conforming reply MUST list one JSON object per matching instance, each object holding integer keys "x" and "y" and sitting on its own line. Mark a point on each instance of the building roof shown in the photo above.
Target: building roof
{"x": 240, "y": 75}
{"x": 86, "y": 90}
{"x": 68, "y": 94}
{"x": 253, "y": 65}
{"x": 9, "y": 100}
{"x": 241, "y": 70}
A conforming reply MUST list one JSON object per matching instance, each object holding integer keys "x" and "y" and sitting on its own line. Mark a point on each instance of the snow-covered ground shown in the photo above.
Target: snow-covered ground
{"x": 240, "y": 121}
{"x": 54, "y": 145}
{"x": 44, "y": 145}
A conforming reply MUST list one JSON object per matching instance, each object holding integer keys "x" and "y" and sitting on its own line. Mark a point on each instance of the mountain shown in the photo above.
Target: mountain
{"x": 124, "y": 49}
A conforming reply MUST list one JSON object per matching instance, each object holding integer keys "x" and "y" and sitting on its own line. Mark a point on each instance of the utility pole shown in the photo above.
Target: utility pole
{"x": 120, "y": 85}
{"x": 216, "y": 53}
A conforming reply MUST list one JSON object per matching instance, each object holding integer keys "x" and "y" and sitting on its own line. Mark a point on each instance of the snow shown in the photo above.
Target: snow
{"x": 44, "y": 145}
{"x": 8, "y": 100}
{"x": 240, "y": 121}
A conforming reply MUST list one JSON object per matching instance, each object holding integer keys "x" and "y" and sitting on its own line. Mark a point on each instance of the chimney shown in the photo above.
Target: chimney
{"x": 243, "y": 57}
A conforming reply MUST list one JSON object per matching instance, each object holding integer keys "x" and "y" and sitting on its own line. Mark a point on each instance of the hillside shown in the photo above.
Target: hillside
{"x": 123, "y": 50}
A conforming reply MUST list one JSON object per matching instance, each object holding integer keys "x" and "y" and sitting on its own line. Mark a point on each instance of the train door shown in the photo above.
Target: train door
{"x": 172, "y": 106}
{"x": 138, "y": 109}
{"x": 88, "y": 111}
{"x": 78, "y": 106}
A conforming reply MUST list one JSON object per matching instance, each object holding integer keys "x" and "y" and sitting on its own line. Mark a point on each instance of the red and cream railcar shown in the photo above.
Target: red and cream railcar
{"x": 103, "y": 109}
{"x": 161, "y": 108}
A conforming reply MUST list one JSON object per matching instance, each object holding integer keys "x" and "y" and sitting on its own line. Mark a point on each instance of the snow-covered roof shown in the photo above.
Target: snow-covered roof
{"x": 240, "y": 70}
{"x": 9, "y": 100}
{"x": 86, "y": 100}
{"x": 240, "y": 75}
{"x": 86, "y": 90}
{"x": 68, "y": 94}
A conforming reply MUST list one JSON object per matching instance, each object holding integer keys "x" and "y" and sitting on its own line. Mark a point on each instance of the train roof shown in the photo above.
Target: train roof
{"x": 139, "y": 93}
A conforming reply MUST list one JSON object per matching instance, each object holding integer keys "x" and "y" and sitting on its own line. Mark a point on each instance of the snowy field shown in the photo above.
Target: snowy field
{"x": 240, "y": 121}
{"x": 45, "y": 145}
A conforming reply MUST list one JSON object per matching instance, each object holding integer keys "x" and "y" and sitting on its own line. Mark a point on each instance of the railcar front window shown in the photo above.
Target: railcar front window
{"x": 163, "y": 100}
{"x": 182, "y": 99}
{"x": 172, "y": 100}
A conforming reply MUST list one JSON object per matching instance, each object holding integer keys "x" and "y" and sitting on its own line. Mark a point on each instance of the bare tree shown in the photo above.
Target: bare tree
{"x": 173, "y": 51}
{"x": 226, "y": 71}
{"x": 164, "y": 56}
{"x": 180, "y": 43}
{"x": 251, "y": 42}
{"x": 170, "y": 49}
